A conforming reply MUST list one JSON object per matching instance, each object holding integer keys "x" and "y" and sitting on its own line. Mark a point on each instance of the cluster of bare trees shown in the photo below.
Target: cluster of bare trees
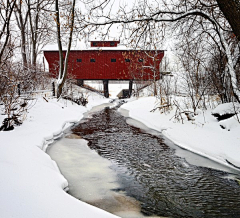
{"x": 209, "y": 52}
{"x": 16, "y": 87}
{"x": 25, "y": 29}
{"x": 26, "y": 25}
{"x": 34, "y": 24}
{"x": 207, "y": 33}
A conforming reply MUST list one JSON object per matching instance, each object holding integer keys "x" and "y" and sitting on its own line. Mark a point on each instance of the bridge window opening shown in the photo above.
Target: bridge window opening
{"x": 127, "y": 60}
{"x": 112, "y": 43}
{"x": 113, "y": 60}
{"x": 79, "y": 60}
{"x": 92, "y": 60}
{"x": 140, "y": 60}
{"x": 94, "y": 44}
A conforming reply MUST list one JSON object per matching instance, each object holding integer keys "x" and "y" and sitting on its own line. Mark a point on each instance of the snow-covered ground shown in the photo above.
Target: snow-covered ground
{"x": 31, "y": 184}
{"x": 204, "y": 135}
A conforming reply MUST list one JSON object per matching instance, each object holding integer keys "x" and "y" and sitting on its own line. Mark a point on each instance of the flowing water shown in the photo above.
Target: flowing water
{"x": 136, "y": 172}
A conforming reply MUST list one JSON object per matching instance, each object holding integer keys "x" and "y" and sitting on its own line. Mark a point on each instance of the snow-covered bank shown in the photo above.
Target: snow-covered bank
{"x": 203, "y": 136}
{"x": 31, "y": 184}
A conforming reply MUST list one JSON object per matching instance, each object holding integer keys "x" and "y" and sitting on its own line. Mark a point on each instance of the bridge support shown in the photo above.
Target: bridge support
{"x": 130, "y": 87}
{"x": 105, "y": 88}
{"x": 80, "y": 82}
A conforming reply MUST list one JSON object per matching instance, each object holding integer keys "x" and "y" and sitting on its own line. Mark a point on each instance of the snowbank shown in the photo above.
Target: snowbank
{"x": 31, "y": 184}
{"x": 204, "y": 135}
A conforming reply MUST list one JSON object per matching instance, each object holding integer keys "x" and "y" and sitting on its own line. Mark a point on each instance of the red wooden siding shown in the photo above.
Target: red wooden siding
{"x": 103, "y": 68}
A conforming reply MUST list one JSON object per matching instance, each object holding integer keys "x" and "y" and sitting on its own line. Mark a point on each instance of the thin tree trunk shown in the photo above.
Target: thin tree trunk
{"x": 22, "y": 27}
{"x": 8, "y": 13}
{"x": 63, "y": 71}
{"x": 59, "y": 41}
{"x": 34, "y": 32}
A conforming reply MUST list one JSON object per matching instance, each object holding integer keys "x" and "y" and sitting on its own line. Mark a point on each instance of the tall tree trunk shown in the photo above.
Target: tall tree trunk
{"x": 59, "y": 43}
{"x": 21, "y": 22}
{"x": 33, "y": 20}
{"x": 231, "y": 10}
{"x": 23, "y": 50}
{"x": 63, "y": 68}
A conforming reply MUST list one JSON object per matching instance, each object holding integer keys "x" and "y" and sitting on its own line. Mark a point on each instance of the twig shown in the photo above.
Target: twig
{"x": 45, "y": 99}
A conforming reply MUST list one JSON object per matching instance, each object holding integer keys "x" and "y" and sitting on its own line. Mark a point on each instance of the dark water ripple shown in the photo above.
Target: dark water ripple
{"x": 149, "y": 170}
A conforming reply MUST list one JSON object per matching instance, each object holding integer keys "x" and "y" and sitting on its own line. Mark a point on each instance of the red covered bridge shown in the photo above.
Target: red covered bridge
{"x": 104, "y": 60}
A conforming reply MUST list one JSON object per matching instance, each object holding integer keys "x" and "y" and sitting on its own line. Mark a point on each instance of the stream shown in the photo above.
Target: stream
{"x": 117, "y": 164}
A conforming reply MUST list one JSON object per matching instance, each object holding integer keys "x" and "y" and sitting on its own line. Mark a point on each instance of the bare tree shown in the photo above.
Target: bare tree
{"x": 6, "y": 10}
{"x": 34, "y": 26}
{"x": 63, "y": 62}
{"x": 154, "y": 67}
{"x": 189, "y": 15}
{"x": 21, "y": 15}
